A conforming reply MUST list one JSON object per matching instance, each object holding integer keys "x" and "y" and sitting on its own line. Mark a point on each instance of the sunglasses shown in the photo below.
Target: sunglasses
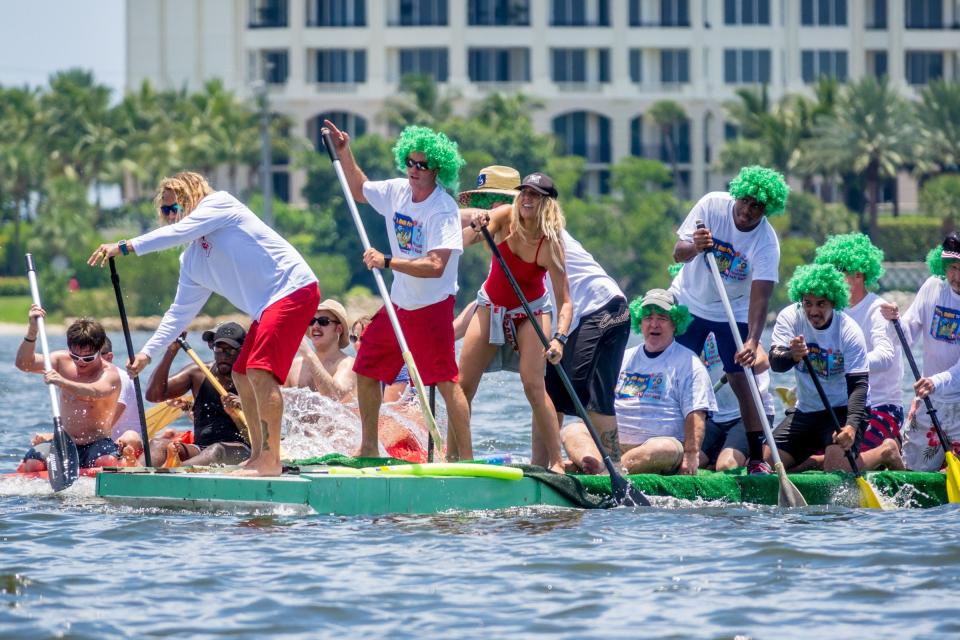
{"x": 323, "y": 321}
{"x": 422, "y": 166}
{"x": 170, "y": 209}
{"x": 224, "y": 348}
{"x": 85, "y": 359}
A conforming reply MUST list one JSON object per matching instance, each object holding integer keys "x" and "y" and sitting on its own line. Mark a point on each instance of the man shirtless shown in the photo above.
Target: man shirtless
{"x": 321, "y": 364}
{"x": 89, "y": 388}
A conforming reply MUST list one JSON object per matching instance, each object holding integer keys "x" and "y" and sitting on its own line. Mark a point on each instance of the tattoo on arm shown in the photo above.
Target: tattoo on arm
{"x": 265, "y": 431}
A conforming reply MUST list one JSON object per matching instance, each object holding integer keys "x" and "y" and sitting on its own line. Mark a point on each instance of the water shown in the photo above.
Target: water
{"x": 74, "y": 566}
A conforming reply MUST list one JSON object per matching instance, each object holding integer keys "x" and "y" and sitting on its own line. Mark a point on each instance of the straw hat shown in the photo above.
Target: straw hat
{"x": 332, "y": 306}
{"x": 493, "y": 179}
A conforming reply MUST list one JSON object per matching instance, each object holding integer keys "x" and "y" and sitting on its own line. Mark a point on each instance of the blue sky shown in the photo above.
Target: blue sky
{"x": 39, "y": 37}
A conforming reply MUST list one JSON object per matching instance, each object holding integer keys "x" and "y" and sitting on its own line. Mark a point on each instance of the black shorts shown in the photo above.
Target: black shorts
{"x": 88, "y": 452}
{"x": 592, "y": 359}
{"x": 805, "y": 434}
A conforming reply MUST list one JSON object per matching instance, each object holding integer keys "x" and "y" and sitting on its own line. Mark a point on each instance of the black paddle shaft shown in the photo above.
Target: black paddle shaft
{"x": 931, "y": 411}
{"x": 623, "y": 492}
{"x": 115, "y": 278}
{"x": 833, "y": 416}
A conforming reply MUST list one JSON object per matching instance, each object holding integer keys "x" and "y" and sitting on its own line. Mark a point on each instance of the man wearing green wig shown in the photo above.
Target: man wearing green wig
{"x": 423, "y": 226}
{"x": 733, "y": 226}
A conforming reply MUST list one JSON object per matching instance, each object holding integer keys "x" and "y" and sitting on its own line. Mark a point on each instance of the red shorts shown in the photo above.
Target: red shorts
{"x": 429, "y": 334}
{"x": 272, "y": 342}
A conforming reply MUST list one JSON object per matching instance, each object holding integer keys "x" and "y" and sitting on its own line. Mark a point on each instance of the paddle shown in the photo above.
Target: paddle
{"x": 160, "y": 415}
{"x": 387, "y": 304}
{"x": 212, "y": 379}
{"x": 623, "y": 491}
{"x": 115, "y": 278}
{"x": 63, "y": 461}
{"x": 953, "y": 465}
{"x": 789, "y": 495}
{"x": 868, "y": 497}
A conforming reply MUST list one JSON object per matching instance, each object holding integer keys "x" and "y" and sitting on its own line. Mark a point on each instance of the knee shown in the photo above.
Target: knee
{"x": 535, "y": 391}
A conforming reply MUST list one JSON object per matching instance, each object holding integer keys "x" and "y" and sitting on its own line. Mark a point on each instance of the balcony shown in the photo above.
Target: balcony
{"x": 659, "y": 24}
{"x": 580, "y": 87}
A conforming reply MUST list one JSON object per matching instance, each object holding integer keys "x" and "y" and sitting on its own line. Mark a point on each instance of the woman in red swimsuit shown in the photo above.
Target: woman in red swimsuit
{"x": 528, "y": 235}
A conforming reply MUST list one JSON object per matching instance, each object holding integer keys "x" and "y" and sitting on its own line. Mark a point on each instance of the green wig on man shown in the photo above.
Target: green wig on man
{"x": 766, "y": 186}
{"x": 822, "y": 280}
{"x": 442, "y": 154}
{"x": 654, "y": 301}
{"x": 939, "y": 258}
{"x": 853, "y": 253}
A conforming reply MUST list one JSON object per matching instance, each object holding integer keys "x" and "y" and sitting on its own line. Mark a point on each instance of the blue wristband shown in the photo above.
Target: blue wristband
{"x": 123, "y": 247}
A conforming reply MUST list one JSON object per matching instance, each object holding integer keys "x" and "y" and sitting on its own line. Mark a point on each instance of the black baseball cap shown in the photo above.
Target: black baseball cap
{"x": 541, "y": 183}
{"x": 229, "y": 332}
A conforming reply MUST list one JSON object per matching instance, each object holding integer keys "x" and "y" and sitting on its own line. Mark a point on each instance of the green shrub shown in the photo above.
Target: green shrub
{"x": 14, "y": 286}
{"x": 940, "y": 196}
{"x": 93, "y": 303}
{"x": 908, "y": 238}
{"x": 794, "y": 251}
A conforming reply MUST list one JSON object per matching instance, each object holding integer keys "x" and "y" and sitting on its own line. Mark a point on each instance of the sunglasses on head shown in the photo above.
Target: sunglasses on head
{"x": 170, "y": 209}
{"x": 86, "y": 359}
{"x": 422, "y": 166}
{"x": 323, "y": 321}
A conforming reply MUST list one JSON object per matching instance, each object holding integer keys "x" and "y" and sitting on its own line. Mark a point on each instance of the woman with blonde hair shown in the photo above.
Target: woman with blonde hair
{"x": 528, "y": 234}
{"x": 230, "y": 251}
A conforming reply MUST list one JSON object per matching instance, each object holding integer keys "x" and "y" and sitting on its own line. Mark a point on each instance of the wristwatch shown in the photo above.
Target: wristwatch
{"x": 386, "y": 260}
{"x": 559, "y": 337}
{"x": 123, "y": 247}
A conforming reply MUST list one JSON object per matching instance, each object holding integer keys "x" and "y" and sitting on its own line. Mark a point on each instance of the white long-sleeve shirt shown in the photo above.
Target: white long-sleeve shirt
{"x": 883, "y": 351}
{"x": 935, "y": 314}
{"x": 230, "y": 252}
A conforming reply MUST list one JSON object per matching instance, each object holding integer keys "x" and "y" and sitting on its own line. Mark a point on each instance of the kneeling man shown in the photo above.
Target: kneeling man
{"x": 663, "y": 396}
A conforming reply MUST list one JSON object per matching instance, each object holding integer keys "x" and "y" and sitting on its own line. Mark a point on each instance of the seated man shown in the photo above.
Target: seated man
{"x": 89, "y": 389}
{"x": 321, "y": 364}
{"x": 816, "y": 327}
{"x": 663, "y": 396}
{"x": 216, "y": 434}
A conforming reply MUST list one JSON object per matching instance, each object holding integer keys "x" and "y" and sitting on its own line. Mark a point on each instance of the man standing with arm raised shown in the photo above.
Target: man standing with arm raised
{"x": 423, "y": 225}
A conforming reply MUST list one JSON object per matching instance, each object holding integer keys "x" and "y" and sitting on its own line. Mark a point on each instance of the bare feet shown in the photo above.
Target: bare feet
{"x": 173, "y": 456}
{"x": 259, "y": 468}
{"x": 32, "y": 466}
{"x": 592, "y": 466}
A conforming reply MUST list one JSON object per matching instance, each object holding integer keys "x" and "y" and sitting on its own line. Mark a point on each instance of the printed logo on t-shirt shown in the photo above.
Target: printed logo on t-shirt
{"x": 409, "y": 234}
{"x": 641, "y": 385}
{"x": 710, "y": 354}
{"x": 826, "y": 362}
{"x": 730, "y": 262}
{"x": 945, "y": 325}
{"x": 205, "y": 245}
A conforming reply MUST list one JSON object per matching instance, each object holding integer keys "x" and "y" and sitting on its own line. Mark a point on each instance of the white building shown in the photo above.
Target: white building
{"x": 598, "y": 65}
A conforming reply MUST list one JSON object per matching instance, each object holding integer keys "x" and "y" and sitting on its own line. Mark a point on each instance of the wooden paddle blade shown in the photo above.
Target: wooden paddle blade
{"x": 868, "y": 495}
{"x": 625, "y": 494}
{"x": 63, "y": 461}
{"x": 160, "y": 415}
{"x": 789, "y": 495}
{"x": 953, "y": 478}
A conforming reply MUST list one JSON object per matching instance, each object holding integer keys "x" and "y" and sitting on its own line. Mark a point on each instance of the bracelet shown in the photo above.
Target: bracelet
{"x": 386, "y": 261}
{"x": 26, "y": 339}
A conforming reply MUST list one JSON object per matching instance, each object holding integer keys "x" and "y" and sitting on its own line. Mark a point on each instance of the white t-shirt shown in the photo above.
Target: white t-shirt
{"x": 230, "y": 251}
{"x": 742, "y": 257}
{"x": 834, "y": 352}
{"x": 883, "y": 351}
{"x": 129, "y": 419}
{"x": 655, "y": 395}
{"x": 415, "y": 229}
{"x": 935, "y": 314}
{"x": 728, "y": 407}
{"x": 590, "y": 286}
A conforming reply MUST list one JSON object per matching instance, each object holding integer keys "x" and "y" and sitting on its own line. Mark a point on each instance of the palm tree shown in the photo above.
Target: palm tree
{"x": 418, "y": 101}
{"x": 669, "y": 115}
{"x": 938, "y": 115}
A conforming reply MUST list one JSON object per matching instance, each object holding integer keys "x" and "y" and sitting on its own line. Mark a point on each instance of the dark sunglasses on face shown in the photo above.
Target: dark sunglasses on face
{"x": 422, "y": 166}
{"x": 170, "y": 209}
{"x": 323, "y": 321}
{"x": 224, "y": 348}
{"x": 86, "y": 359}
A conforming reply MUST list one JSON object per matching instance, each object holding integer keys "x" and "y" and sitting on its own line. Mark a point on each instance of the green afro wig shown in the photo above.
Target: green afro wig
{"x": 938, "y": 262}
{"x": 678, "y": 313}
{"x": 819, "y": 280}
{"x": 766, "y": 186}
{"x": 441, "y": 152}
{"x": 674, "y": 269}
{"x": 853, "y": 253}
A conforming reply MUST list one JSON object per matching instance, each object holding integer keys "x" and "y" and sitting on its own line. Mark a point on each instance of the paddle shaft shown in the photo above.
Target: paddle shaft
{"x": 829, "y": 409}
{"x": 617, "y": 481}
{"x": 212, "y": 379}
{"x": 931, "y": 411}
{"x": 121, "y": 308}
{"x": 385, "y": 294}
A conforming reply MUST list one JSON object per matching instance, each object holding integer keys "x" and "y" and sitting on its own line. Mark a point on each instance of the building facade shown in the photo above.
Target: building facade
{"x": 597, "y": 65}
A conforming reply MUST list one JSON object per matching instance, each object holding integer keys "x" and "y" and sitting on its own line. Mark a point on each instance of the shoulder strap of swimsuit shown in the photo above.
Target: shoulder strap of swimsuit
{"x": 536, "y": 256}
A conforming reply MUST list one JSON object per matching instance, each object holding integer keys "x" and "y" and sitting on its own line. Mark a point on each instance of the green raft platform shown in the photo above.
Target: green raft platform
{"x": 344, "y": 486}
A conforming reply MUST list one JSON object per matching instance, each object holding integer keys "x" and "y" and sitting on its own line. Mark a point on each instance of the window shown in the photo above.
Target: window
{"x": 274, "y": 69}
{"x": 730, "y": 131}
{"x": 823, "y": 13}
{"x": 680, "y": 136}
{"x": 877, "y": 19}
{"x": 281, "y": 185}
{"x": 352, "y": 123}
{"x": 880, "y": 66}
{"x": 576, "y": 13}
{"x": 674, "y": 66}
{"x": 569, "y": 65}
{"x": 746, "y": 66}
{"x": 636, "y": 65}
{"x": 420, "y": 13}
{"x": 823, "y": 63}
{"x": 431, "y": 62}
{"x": 584, "y": 134}
{"x": 746, "y": 12}
{"x": 499, "y": 65}
{"x": 636, "y": 136}
{"x": 673, "y": 13}
{"x": 924, "y": 66}
{"x": 498, "y": 13}
{"x": 924, "y": 14}
{"x": 265, "y": 14}
{"x": 341, "y": 66}
{"x": 337, "y": 13}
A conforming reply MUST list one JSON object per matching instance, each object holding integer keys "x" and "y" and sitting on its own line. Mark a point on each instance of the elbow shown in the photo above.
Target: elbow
{"x": 153, "y": 395}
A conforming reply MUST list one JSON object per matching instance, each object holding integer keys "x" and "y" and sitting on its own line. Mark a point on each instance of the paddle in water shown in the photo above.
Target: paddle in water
{"x": 63, "y": 461}
{"x": 953, "y": 464}
{"x": 789, "y": 495}
{"x": 868, "y": 496}
{"x": 624, "y": 493}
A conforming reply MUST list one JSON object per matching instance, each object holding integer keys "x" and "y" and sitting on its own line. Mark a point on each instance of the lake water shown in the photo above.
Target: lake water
{"x": 72, "y": 565}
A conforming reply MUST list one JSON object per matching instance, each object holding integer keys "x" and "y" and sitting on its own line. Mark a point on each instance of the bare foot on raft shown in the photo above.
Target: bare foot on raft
{"x": 592, "y": 466}
{"x": 259, "y": 469}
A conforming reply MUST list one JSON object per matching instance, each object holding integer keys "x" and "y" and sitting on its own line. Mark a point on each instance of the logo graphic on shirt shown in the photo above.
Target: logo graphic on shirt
{"x": 826, "y": 362}
{"x": 641, "y": 385}
{"x": 710, "y": 354}
{"x": 409, "y": 234}
{"x": 945, "y": 325}
{"x": 205, "y": 245}
{"x": 731, "y": 264}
